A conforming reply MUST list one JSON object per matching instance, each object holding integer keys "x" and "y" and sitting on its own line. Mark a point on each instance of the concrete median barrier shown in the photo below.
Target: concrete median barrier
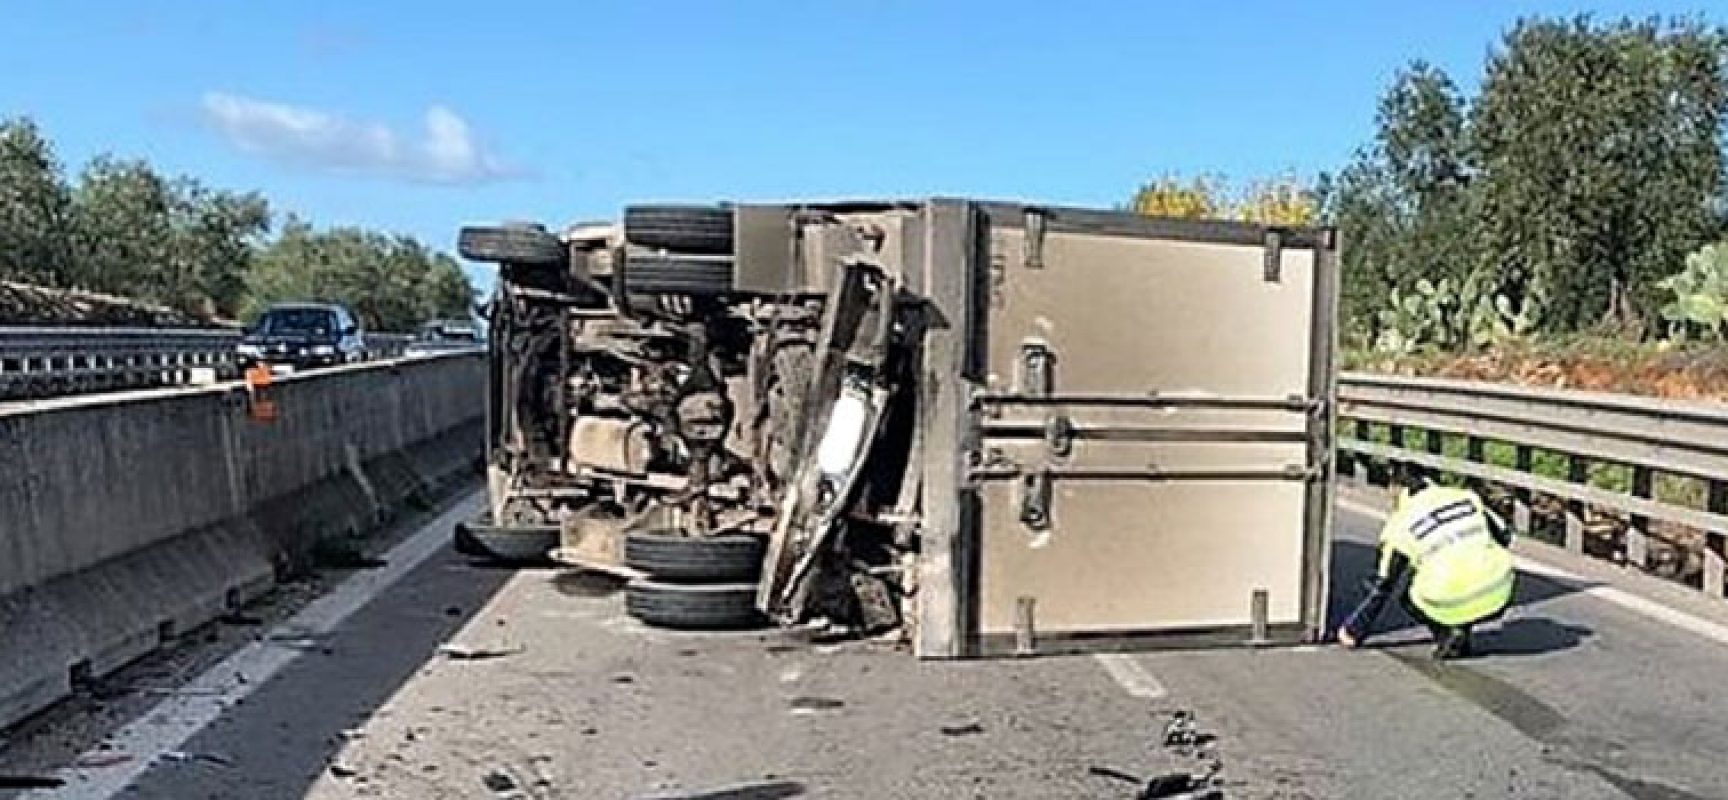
{"x": 127, "y": 519}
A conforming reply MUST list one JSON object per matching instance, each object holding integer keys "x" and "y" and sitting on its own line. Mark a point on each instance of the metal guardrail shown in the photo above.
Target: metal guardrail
{"x": 45, "y": 362}
{"x": 1647, "y": 436}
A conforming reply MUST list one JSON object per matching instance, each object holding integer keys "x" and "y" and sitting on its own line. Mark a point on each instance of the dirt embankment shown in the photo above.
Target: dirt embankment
{"x": 24, "y": 304}
{"x": 1693, "y": 374}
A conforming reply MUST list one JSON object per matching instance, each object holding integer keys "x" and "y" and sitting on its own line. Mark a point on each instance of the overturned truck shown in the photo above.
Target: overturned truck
{"x": 997, "y": 427}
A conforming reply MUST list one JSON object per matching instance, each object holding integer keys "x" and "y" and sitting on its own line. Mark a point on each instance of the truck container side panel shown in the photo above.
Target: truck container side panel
{"x": 1170, "y": 556}
{"x": 1138, "y": 315}
{"x": 1154, "y": 516}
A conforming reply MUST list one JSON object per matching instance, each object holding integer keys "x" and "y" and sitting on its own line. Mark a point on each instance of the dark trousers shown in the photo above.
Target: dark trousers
{"x": 1449, "y": 640}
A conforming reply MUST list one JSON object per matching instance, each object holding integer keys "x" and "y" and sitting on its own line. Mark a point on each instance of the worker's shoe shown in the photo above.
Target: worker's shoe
{"x": 1454, "y": 644}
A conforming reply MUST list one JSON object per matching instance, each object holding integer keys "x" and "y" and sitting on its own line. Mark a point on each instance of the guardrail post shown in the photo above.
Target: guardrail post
{"x": 1521, "y": 497}
{"x": 1714, "y": 565}
{"x": 1475, "y": 453}
{"x": 1353, "y": 465}
{"x": 1395, "y": 440}
{"x": 1577, "y": 471}
{"x": 1638, "y": 529}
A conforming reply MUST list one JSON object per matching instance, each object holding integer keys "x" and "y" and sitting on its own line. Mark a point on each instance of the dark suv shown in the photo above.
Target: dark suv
{"x": 303, "y": 335}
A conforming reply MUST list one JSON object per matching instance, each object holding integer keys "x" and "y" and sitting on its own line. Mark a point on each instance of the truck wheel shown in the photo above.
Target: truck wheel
{"x": 670, "y": 556}
{"x": 683, "y": 228}
{"x": 520, "y": 244}
{"x": 693, "y": 606}
{"x": 480, "y": 538}
{"x": 676, "y": 273}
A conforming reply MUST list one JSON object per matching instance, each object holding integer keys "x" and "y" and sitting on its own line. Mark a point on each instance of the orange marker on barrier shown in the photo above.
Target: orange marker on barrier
{"x": 260, "y": 405}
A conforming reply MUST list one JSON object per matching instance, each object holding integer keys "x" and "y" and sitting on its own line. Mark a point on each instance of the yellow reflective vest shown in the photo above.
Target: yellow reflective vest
{"x": 1460, "y": 573}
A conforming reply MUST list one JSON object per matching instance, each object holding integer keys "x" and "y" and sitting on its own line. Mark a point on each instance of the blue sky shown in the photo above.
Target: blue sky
{"x": 418, "y": 117}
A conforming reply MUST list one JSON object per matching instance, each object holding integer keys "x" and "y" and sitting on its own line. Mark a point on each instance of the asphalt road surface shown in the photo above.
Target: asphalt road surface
{"x": 1585, "y": 693}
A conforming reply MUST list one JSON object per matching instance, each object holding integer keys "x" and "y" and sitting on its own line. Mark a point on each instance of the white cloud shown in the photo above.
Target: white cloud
{"x": 445, "y": 152}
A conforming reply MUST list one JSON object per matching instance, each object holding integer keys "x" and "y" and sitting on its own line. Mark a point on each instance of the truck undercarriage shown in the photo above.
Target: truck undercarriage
{"x": 999, "y": 428}
{"x": 716, "y": 443}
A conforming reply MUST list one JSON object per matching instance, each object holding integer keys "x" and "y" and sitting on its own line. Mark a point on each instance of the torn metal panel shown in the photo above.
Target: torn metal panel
{"x": 849, "y": 394}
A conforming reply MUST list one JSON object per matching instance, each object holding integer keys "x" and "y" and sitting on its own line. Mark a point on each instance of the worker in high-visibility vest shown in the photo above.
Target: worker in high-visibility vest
{"x": 1456, "y": 550}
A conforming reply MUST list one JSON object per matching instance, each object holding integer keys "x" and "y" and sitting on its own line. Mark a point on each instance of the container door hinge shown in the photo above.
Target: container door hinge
{"x": 1035, "y": 224}
{"x": 1036, "y": 365}
{"x": 1274, "y": 265}
{"x": 1035, "y": 495}
{"x": 1059, "y": 435}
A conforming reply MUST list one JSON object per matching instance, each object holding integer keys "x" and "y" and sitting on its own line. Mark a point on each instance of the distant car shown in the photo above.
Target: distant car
{"x": 446, "y": 336}
{"x": 303, "y": 336}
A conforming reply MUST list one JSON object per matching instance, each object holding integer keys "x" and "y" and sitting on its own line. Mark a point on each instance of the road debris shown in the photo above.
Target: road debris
{"x": 185, "y": 691}
{"x": 183, "y": 757}
{"x": 343, "y": 771}
{"x": 1181, "y": 730}
{"x": 30, "y": 782}
{"x": 462, "y": 652}
{"x": 351, "y": 734}
{"x": 100, "y": 760}
{"x": 1169, "y": 785}
{"x": 302, "y": 641}
{"x": 803, "y": 706}
{"x": 969, "y": 729}
{"x": 770, "y": 790}
{"x": 237, "y": 618}
{"x": 498, "y": 781}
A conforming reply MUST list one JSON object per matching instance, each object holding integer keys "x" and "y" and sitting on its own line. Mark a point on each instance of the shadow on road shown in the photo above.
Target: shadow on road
{"x": 1530, "y": 636}
{"x": 282, "y": 738}
{"x": 1353, "y": 569}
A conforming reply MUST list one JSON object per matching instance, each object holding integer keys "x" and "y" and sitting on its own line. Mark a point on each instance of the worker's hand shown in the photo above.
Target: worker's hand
{"x": 1346, "y": 638}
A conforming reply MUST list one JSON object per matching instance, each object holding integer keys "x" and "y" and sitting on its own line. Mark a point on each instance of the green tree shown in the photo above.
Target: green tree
{"x": 1402, "y": 203}
{"x": 123, "y": 213}
{"x": 35, "y": 208}
{"x": 445, "y": 291}
{"x": 216, "y": 234}
{"x": 392, "y": 282}
{"x": 1601, "y": 165}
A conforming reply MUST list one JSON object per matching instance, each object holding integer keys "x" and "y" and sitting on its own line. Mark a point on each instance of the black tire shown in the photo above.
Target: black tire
{"x": 693, "y": 606}
{"x": 479, "y": 538}
{"x": 670, "y": 556}
{"x": 706, "y": 230}
{"x": 523, "y": 244}
{"x": 678, "y": 274}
